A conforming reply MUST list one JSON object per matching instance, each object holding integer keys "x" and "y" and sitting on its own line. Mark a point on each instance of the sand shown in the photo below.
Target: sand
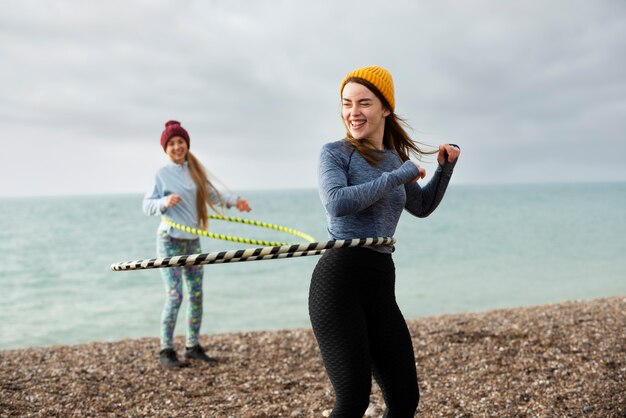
{"x": 560, "y": 360}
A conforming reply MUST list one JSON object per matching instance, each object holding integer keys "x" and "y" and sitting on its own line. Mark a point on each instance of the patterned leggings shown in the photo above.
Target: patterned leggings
{"x": 360, "y": 330}
{"x": 173, "y": 279}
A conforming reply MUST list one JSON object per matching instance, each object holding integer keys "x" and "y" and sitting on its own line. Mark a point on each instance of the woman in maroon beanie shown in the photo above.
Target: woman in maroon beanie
{"x": 181, "y": 192}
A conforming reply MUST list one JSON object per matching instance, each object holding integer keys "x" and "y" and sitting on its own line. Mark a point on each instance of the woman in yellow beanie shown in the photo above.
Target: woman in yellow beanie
{"x": 365, "y": 181}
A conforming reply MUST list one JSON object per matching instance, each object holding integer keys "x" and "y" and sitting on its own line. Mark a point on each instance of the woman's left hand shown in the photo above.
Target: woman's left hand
{"x": 242, "y": 205}
{"x": 453, "y": 153}
{"x": 422, "y": 173}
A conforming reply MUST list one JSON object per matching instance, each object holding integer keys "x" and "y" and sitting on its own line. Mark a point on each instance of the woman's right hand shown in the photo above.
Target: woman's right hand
{"x": 242, "y": 205}
{"x": 173, "y": 200}
{"x": 421, "y": 175}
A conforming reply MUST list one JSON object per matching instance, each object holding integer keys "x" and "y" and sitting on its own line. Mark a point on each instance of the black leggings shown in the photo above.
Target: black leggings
{"x": 360, "y": 330}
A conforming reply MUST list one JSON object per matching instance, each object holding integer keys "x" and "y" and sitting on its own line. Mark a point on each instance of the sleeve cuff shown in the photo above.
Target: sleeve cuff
{"x": 407, "y": 171}
{"x": 163, "y": 205}
{"x": 448, "y": 167}
{"x": 232, "y": 201}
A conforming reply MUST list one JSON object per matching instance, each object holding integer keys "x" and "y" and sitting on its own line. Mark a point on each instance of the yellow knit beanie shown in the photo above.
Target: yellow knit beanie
{"x": 379, "y": 77}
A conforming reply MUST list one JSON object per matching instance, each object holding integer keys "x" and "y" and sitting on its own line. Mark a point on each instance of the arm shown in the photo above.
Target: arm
{"x": 339, "y": 199}
{"x": 421, "y": 202}
{"x": 229, "y": 200}
{"x": 225, "y": 200}
{"x": 154, "y": 203}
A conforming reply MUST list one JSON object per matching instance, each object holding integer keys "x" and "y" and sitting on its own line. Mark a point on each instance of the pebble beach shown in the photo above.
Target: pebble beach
{"x": 559, "y": 360}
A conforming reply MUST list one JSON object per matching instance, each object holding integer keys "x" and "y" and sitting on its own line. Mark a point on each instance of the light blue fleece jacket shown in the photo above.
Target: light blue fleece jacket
{"x": 176, "y": 179}
{"x": 364, "y": 201}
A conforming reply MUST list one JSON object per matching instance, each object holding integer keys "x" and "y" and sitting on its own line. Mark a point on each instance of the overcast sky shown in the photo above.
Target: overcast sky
{"x": 532, "y": 91}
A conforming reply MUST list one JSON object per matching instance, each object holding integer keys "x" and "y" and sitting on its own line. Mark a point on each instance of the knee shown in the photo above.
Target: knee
{"x": 352, "y": 395}
{"x": 174, "y": 298}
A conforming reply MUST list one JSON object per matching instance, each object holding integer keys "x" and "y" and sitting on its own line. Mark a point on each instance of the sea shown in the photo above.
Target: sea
{"x": 486, "y": 247}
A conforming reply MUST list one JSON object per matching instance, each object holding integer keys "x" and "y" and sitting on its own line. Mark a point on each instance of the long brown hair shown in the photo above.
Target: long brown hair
{"x": 394, "y": 137}
{"x": 203, "y": 186}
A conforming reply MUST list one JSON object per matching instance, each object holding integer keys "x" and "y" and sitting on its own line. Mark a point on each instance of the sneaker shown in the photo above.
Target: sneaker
{"x": 167, "y": 358}
{"x": 197, "y": 353}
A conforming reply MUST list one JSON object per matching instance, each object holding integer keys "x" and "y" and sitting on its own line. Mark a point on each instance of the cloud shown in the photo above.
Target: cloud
{"x": 518, "y": 85}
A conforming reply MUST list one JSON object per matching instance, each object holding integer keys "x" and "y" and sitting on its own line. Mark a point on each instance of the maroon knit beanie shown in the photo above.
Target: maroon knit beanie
{"x": 173, "y": 128}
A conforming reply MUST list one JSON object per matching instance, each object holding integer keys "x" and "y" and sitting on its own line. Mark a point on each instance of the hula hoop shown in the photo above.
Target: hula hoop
{"x": 251, "y": 254}
{"x": 208, "y": 234}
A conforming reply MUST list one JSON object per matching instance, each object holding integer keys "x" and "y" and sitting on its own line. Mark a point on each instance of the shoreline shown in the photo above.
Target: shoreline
{"x": 564, "y": 359}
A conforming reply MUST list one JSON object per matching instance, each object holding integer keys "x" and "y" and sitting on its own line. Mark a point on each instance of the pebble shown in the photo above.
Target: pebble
{"x": 545, "y": 360}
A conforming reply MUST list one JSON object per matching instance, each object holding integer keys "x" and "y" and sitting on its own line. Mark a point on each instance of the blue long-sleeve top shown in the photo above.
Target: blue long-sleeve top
{"x": 176, "y": 179}
{"x": 363, "y": 201}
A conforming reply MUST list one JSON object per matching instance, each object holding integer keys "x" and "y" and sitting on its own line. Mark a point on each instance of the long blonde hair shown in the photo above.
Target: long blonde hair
{"x": 203, "y": 188}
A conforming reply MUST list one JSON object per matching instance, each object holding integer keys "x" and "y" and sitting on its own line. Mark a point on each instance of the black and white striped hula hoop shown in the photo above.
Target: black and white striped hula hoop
{"x": 251, "y": 254}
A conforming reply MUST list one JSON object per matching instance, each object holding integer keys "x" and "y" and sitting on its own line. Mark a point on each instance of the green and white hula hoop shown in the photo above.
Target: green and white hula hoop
{"x": 208, "y": 234}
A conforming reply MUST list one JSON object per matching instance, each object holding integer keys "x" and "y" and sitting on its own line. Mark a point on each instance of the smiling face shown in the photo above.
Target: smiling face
{"x": 177, "y": 149}
{"x": 363, "y": 113}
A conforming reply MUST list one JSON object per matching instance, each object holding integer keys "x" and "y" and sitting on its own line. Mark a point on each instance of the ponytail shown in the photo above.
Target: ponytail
{"x": 203, "y": 189}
